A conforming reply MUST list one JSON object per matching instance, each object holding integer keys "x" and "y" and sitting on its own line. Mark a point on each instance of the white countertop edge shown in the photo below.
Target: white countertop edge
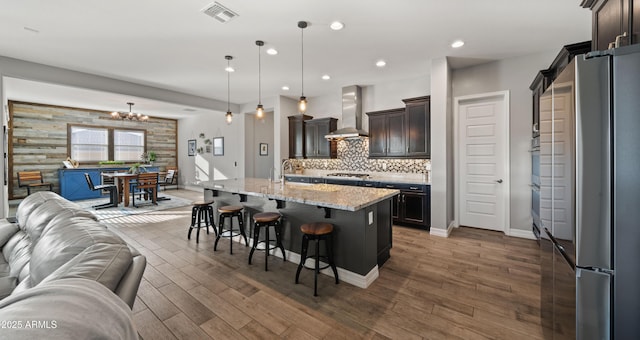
{"x": 375, "y": 177}
{"x": 304, "y": 201}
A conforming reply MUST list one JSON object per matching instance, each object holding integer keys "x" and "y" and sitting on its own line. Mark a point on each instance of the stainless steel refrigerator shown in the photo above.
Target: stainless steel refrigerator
{"x": 590, "y": 197}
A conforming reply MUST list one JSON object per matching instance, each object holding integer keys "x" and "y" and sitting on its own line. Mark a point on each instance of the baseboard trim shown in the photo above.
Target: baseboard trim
{"x": 528, "y": 234}
{"x": 361, "y": 281}
{"x": 191, "y": 187}
{"x": 442, "y": 232}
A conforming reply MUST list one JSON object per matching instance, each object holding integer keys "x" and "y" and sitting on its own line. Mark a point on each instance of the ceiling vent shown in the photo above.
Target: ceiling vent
{"x": 219, "y": 12}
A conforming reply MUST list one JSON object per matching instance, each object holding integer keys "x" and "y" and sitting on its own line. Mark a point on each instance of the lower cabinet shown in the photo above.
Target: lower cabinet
{"x": 413, "y": 205}
{"x": 74, "y": 186}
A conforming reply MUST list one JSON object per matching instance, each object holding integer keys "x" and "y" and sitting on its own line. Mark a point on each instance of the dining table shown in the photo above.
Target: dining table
{"x": 123, "y": 182}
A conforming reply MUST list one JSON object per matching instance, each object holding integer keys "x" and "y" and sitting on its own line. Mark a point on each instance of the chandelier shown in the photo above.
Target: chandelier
{"x": 129, "y": 115}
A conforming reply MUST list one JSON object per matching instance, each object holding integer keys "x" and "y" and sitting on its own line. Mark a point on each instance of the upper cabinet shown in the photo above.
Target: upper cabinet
{"x": 614, "y": 21}
{"x": 402, "y": 132}
{"x": 417, "y": 120}
{"x": 386, "y": 133}
{"x": 544, "y": 78}
{"x": 316, "y": 146}
{"x": 296, "y": 135}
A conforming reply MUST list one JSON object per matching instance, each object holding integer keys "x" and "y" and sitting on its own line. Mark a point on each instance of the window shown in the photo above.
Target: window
{"x": 128, "y": 145}
{"x": 89, "y": 144}
{"x": 94, "y": 144}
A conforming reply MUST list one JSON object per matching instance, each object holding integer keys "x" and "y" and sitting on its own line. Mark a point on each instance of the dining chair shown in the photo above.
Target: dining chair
{"x": 113, "y": 193}
{"x": 147, "y": 185}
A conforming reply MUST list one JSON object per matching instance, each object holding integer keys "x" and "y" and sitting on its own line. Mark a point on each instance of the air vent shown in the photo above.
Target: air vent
{"x": 219, "y": 12}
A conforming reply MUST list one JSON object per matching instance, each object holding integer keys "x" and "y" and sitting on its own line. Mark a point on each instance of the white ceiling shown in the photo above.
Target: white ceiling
{"x": 173, "y": 45}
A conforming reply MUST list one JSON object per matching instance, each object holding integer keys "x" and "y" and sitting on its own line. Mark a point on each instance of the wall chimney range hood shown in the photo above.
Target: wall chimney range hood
{"x": 351, "y": 115}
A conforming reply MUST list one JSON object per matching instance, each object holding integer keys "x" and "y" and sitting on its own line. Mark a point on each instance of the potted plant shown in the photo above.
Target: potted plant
{"x": 152, "y": 157}
{"x": 134, "y": 169}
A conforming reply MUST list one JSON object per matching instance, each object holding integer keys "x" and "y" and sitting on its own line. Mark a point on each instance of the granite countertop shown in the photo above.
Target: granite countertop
{"x": 400, "y": 178}
{"x": 340, "y": 197}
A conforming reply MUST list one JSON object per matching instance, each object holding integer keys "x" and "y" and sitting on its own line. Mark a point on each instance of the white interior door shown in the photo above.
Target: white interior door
{"x": 482, "y": 157}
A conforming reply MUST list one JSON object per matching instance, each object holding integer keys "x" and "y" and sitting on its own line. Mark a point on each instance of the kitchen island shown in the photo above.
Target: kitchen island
{"x": 361, "y": 217}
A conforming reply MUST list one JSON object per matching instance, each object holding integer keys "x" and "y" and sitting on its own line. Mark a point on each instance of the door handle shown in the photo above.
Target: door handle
{"x": 499, "y": 181}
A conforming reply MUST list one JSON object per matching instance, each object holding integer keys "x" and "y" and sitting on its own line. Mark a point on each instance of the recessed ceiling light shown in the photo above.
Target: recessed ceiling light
{"x": 381, "y": 63}
{"x": 326, "y": 77}
{"x": 272, "y": 51}
{"x": 336, "y": 25}
{"x": 285, "y": 88}
{"x": 457, "y": 43}
{"x": 229, "y": 69}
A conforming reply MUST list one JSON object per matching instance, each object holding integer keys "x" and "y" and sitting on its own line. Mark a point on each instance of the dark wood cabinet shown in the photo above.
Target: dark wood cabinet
{"x": 539, "y": 84}
{"x": 402, "y": 132}
{"x": 387, "y": 133}
{"x": 412, "y": 206}
{"x": 614, "y": 19}
{"x": 544, "y": 78}
{"x": 417, "y": 120}
{"x": 316, "y": 146}
{"x": 297, "y": 135}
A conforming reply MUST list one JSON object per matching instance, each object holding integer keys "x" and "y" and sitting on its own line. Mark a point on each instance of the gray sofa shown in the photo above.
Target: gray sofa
{"x": 58, "y": 263}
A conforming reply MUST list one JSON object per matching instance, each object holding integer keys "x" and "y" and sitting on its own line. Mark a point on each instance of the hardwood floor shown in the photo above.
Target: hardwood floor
{"x": 475, "y": 284}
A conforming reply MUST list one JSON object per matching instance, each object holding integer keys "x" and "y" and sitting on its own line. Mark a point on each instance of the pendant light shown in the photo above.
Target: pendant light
{"x": 302, "y": 103}
{"x": 129, "y": 115}
{"x": 260, "y": 108}
{"x": 228, "y": 116}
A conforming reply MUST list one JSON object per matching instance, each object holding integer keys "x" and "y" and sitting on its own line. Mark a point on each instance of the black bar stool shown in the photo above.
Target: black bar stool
{"x": 266, "y": 220}
{"x": 230, "y": 211}
{"x": 317, "y": 231}
{"x": 202, "y": 211}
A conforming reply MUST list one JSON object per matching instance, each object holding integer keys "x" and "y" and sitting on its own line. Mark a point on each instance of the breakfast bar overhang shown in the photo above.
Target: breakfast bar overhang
{"x": 362, "y": 218}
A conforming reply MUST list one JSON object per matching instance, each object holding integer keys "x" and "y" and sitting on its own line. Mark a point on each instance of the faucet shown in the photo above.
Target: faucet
{"x": 282, "y": 168}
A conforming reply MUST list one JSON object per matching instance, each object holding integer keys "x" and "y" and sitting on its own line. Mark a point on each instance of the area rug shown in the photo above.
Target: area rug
{"x": 121, "y": 210}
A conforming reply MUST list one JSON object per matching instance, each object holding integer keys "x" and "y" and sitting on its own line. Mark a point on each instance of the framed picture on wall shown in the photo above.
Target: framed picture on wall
{"x": 191, "y": 147}
{"x": 264, "y": 149}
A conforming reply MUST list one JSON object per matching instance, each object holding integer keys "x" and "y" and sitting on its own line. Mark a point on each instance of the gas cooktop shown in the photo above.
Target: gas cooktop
{"x": 348, "y": 174}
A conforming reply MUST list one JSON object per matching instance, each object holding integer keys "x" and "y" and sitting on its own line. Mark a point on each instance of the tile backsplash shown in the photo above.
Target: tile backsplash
{"x": 353, "y": 155}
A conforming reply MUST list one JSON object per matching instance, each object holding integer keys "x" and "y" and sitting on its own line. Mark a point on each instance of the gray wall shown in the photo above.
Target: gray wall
{"x": 258, "y": 131}
{"x": 514, "y": 75}
{"x": 442, "y": 194}
{"x": 205, "y": 167}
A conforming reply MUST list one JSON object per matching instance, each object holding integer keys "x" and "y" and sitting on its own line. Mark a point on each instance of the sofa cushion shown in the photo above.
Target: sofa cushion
{"x": 102, "y": 262}
{"x": 49, "y": 210}
{"x": 7, "y": 230}
{"x": 64, "y": 240}
{"x": 7, "y": 285}
{"x": 66, "y": 309}
{"x": 17, "y": 253}
{"x": 32, "y": 202}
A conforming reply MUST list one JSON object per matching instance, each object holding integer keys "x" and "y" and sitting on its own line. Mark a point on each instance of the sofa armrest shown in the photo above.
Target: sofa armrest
{"x": 66, "y": 309}
{"x": 128, "y": 286}
{"x": 7, "y": 230}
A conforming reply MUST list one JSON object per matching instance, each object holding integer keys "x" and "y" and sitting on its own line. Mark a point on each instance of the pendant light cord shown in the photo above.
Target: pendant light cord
{"x": 259, "y": 76}
{"x": 228, "y": 88}
{"x": 302, "y": 58}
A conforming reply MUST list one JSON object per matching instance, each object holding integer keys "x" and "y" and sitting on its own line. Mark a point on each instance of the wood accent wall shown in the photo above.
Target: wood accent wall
{"x": 38, "y": 139}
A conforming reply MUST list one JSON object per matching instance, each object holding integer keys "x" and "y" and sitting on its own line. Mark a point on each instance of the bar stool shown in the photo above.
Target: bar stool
{"x": 202, "y": 211}
{"x": 317, "y": 231}
{"x": 266, "y": 220}
{"x": 230, "y": 211}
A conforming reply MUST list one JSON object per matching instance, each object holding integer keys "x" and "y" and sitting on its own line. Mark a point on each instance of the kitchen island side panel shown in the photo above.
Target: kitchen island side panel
{"x": 355, "y": 241}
